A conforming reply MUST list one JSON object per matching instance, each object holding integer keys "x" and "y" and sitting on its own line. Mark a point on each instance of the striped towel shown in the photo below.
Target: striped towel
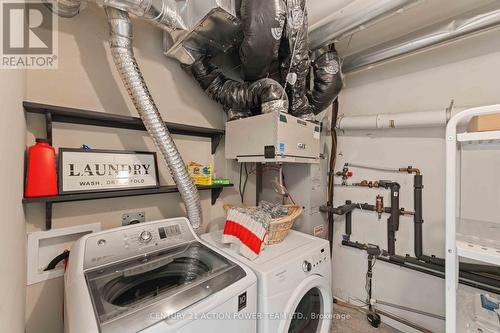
{"x": 248, "y": 229}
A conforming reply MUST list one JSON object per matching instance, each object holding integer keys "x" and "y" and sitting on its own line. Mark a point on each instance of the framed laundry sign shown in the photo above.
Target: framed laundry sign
{"x": 92, "y": 170}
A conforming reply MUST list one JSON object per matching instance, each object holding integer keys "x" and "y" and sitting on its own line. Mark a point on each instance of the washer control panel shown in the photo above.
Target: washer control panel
{"x": 117, "y": 244}
{"x": 145, "y": 237}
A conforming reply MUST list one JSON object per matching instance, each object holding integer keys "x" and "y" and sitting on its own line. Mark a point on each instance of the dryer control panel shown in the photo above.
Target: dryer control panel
{"x": 315, "y": 262}
{"x": 321, "y": 258}
{"x": 118, "y": 244}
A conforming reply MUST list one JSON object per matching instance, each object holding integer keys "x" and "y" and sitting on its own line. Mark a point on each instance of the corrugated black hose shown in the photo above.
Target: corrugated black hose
{"x": 242, "y": 98}
{"x": 53, "y": 263}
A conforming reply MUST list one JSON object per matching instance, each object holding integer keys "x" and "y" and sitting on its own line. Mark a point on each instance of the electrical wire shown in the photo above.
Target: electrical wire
{"x": 239, "y": 185}
{"x": 243, "y": 181}
{"x": 246, "y": 180}
{"x": 288, "y": 194}
{"x": 331, "y": 170}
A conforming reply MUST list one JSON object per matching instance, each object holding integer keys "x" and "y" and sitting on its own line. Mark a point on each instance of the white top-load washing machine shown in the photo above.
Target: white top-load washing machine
{"x": 156, "y": 277}
{"x": 294, "y": 283}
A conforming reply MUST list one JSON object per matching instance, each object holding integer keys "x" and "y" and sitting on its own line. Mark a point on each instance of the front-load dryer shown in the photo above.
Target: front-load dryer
{"x": 156, "y": 277}
{"x": 294, "y": 283}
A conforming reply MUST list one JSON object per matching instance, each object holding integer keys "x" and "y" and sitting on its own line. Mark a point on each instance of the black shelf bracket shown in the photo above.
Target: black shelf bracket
{"x": 48, "y": 127}
{"x": 48, "y": 215}
{"x": 216, "y": 139}
{"x": 216, "y": 192}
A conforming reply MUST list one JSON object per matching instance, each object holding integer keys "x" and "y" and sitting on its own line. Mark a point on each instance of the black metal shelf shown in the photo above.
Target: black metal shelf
{"x": 49, "y": 201}
{"x": 62, "y": 114}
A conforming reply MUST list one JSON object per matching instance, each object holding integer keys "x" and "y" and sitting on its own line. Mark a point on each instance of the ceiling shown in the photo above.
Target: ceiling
{"x": 425, "y": 13}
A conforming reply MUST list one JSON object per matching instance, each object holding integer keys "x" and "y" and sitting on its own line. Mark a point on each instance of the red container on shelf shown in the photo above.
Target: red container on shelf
{"x": 41, "y": 179}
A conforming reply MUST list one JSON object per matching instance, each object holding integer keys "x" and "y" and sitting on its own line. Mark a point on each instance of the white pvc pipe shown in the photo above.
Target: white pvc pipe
{"x": 421, "y": 119}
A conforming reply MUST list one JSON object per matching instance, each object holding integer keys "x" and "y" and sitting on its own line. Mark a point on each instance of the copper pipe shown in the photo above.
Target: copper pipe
{"x": 410, "y": 170}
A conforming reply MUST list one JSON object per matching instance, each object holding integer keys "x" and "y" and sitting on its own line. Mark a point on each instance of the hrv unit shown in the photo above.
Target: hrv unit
{"x": 273, "y": 137}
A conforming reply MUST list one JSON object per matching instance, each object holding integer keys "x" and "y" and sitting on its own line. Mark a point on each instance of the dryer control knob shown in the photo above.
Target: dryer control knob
{"x": 307, "y": 266}
{"x": 145, "y": 236}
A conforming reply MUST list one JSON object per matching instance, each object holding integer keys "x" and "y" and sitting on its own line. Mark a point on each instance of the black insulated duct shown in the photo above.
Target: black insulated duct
{"x": 328, "y": 80}
{"x": 239, "y": 99}
{"x": 294, "y": 59}
{"x": 263, "y": 22}
{"x": 275, "y": 45}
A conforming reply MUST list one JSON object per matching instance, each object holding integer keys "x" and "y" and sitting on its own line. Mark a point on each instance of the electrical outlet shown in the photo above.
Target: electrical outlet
{"x": 133, "y": 218}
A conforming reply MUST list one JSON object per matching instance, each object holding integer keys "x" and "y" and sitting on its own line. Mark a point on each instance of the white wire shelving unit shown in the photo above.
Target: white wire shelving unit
{"x": 472, "y": 247}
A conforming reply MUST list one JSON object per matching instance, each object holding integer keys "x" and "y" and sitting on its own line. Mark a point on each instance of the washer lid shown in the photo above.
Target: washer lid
{"x": 132, "y": 295}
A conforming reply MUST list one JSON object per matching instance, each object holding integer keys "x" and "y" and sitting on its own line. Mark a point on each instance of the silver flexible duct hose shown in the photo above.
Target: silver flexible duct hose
{"x": 126, "y": 64}
{"x": 162, "y": 13}
{"x": 65, "y": 8}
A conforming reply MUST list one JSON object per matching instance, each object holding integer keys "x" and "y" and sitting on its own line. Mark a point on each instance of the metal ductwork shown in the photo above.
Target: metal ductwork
{"x": 354, "y": 17}
{"x": 273, "y": 53}
{"x": 468, "y": 24}
{"x": 269, "y": 38}
{"x": 162, "y": 13}
{"x": 121, "y": 49}
{"x": 270, "y": 35}
{"x": 210, "y": 27}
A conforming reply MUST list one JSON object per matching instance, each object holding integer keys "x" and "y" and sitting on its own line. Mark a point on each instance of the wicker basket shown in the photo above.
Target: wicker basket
{"x": 278, "y": 228}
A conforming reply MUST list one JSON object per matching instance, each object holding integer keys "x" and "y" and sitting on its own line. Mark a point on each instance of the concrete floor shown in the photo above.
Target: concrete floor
{"x": 348, "y": 320}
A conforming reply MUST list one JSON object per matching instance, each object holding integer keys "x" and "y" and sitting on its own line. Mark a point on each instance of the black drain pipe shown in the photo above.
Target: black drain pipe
{"x": 482, "y": 282}
{"x": 431, "y": 260}
{"x": 473, "y": 275}
{"x": 418, "y": 234}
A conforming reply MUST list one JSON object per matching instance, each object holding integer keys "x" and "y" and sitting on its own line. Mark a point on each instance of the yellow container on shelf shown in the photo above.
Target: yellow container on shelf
{"x": 201, "y": 174}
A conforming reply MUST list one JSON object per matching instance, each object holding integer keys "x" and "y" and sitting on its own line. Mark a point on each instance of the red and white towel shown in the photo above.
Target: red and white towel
{"x": 244, "y": 229}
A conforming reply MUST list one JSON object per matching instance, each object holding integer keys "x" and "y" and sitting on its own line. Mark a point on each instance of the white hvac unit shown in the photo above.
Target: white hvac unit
{"x": 273, "y": 138}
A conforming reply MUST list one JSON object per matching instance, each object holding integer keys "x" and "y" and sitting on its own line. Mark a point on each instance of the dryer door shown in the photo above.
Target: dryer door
{"x": 311, "y": 306}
